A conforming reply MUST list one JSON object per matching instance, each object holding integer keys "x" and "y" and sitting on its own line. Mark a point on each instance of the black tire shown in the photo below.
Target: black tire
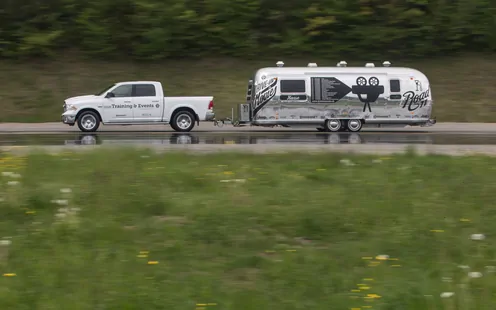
{"x": 88, "y": 121}
{"x": 183, "y": 121}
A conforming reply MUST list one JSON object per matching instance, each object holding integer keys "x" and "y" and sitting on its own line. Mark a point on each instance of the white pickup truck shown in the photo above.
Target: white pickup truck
{"x": 136, "y": 103}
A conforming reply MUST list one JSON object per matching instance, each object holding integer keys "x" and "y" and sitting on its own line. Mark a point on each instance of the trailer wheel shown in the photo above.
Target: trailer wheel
{"x": 354, "y": 125}
{"x": 333, "y": 125}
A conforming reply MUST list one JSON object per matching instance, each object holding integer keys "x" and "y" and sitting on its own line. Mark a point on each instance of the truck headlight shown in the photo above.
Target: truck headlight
{"x": 71, "y": 107}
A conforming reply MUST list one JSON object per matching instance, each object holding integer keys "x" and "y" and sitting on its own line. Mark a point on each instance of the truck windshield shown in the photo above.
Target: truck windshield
{"x": 104, "y": 90}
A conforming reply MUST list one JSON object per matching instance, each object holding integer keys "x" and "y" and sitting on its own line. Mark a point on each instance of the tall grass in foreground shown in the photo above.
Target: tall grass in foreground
{"x": 129, "y": 229}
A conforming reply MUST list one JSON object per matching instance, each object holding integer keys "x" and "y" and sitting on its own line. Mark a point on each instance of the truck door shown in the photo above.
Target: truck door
{"x": 120, "y": 107}
{"x": 148, "y": 107}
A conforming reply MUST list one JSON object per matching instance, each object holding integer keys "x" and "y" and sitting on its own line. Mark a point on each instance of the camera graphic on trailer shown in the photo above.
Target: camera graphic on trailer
{"x": 371, "y": 91}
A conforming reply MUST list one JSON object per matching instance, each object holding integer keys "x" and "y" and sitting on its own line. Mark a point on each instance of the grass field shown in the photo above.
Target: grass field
{"x": 463, "y": 87}
{"x": 129, "y": 229}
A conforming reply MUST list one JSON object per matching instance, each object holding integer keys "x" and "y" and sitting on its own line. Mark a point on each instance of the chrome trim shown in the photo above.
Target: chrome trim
{"x": 68, "y": 119}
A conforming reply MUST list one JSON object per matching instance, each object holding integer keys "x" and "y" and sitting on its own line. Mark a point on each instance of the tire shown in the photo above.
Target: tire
{"x": 354, "y": 125}
{"x": 333, "y": 125}
{"x": 183, "y": 121}
{"x": 88, "y": 121}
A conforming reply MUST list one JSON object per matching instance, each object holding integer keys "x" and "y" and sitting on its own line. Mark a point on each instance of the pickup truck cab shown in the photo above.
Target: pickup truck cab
{"x": 136, "y": 103}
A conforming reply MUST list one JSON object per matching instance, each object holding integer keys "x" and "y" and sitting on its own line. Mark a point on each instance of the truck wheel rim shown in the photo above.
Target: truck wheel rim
{"x": 88, "y": 121}
{"x": 184, "y": 121}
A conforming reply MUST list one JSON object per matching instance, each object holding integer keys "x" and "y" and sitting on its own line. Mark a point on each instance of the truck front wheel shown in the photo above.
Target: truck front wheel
{"x": 88, "y": 121}
{"x": 183, "y": 121}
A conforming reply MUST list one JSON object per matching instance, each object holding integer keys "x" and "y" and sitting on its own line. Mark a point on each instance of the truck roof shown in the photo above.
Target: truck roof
{"x": 137, "y": 82}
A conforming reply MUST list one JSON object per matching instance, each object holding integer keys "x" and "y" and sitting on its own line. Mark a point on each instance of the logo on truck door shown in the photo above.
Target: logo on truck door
{"x": 264, "y": 91}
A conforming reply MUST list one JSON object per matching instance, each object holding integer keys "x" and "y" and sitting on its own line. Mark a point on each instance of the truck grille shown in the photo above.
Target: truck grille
{"x": 65, "y": 107}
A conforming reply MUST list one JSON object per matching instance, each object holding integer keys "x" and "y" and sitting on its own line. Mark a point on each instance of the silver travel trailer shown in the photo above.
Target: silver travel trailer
{"x": 337, "y": 98}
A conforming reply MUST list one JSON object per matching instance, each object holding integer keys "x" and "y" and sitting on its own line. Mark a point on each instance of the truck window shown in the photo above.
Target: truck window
{"x": 292, "y": 86}
{"x": 123, "y": 91}
{"x": 394, "y": 85}
{"x": 144, "y": 90}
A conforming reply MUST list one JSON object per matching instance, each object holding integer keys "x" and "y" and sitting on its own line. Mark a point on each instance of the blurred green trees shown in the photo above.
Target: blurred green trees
{"x": 157, "y": 29}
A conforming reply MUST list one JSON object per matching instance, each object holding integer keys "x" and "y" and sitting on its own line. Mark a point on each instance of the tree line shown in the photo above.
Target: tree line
{"x": 160, "y": 29}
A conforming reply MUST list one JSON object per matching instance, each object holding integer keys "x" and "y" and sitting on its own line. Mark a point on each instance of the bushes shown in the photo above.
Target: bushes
{"x": 159, "y": 29}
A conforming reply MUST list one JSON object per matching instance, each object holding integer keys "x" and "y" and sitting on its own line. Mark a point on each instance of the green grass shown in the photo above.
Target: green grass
{"x": 463, "y": 86}
{"x": 297, "y": 232}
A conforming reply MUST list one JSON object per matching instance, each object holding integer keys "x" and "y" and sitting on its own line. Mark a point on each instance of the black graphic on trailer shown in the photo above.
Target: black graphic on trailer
{"x": 414, "y": 101}
{"x": 264, "y": 91}
{"x": 372, "y": 91}
{"x": 328, "y": 90}
{"x": 293, "y": 97}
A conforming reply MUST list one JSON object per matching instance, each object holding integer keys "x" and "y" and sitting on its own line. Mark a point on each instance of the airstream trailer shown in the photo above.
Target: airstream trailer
{"x": 337, "y": 98}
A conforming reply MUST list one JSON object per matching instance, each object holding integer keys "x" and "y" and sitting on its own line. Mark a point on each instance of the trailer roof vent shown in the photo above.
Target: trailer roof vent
{"x": 312, "y": 64}
{"x": 280, "y": 63}
{"x": 386, "y": 64}
{"x": 369, "y": 65}
{"x": 342, "y": 63}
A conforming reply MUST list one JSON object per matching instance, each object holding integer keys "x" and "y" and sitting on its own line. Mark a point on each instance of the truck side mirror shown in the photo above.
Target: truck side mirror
{"x": 109, "y": 95}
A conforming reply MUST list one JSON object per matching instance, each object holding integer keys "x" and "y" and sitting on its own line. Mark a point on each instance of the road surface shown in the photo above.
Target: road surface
{"x": 472, "y": 131}
{"x": 209, "y": 127}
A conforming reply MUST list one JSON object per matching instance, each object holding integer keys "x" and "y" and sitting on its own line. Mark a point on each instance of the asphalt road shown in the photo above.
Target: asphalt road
{"x": 474, "y": 135}
{"x": 482, "y": 128}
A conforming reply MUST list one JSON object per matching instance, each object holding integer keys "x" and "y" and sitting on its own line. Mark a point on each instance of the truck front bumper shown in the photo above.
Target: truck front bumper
{"x": 68, "y": 119}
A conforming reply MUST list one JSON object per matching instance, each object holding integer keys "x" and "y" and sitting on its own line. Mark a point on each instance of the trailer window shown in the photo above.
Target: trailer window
{"x": 292, "y": 86}
{"x": 394, "y": 85}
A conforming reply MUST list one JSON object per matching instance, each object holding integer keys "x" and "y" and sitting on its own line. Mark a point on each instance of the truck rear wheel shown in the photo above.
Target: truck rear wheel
{"x": 88, "y": 121}
{"x": 183, "y": 121}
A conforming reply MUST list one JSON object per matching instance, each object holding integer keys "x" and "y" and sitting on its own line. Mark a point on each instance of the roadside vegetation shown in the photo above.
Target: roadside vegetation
{"x": 212, "y": 47}
{"x": 130, "y": 229}
{"x": 463, "y": 87}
